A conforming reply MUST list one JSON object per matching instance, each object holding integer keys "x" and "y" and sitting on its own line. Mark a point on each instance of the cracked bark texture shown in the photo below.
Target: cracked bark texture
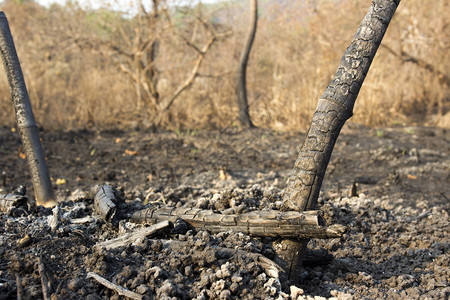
{"x": 333, "y": 109}
{"x": 26, "y": 123}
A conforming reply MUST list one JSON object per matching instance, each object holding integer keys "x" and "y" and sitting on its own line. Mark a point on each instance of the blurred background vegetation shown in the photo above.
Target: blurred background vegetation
{"x": 175, "y": 65}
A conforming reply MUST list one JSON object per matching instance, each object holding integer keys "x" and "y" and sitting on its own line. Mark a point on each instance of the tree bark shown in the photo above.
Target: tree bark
{"x": 241, "y": 87}
{"x": 334, "y": 108}
{"x": 26, "y": 123}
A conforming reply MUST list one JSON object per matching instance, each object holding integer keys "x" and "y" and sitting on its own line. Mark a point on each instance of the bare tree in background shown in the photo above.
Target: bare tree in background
{"x": 241, "y": 85}
{"x": 134, "y": 50}
{"x": 334, "y": 108}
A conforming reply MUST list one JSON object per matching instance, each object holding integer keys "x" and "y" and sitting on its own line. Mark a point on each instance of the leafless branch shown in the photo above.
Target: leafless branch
{"x": 188, "y": 82}
{"x": 406, "y": 57}
{"x": 119, "y": 289}
{"x": 44, "y": 280}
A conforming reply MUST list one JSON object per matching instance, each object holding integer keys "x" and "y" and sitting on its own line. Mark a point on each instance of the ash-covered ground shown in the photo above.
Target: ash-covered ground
{"x": 390, "y": 187}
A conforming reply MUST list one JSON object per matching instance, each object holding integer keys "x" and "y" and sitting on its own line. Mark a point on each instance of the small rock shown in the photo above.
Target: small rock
{"x": 225, "y": 295}
{"x": 218, "y": 286}
{"x": 168, "y": 288}
{"x": 188, "y": 271}
{"x": 142, "y": 289}
{"x": 202, "y": 203}
{"x": 295, "y": 292}
{"x": 156, "y": 271}
{"x": 74, "y": 284}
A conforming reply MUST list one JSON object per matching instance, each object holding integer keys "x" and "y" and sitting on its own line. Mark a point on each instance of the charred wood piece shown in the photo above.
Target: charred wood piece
{"x": 272, "y": 223}
{"x": 106, "y": 200}
{"x": 46, "y": 286}
{"x": 119, "y": 289}
{"x": 19, "y": 286}
{"x": 23, "y": 242}
{"x": 131, "y": 237}
{"x": 10, "y": 201}
{"x": 55, "y": 220}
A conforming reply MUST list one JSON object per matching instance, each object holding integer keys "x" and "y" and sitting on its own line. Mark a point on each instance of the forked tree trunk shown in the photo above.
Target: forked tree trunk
{"x": 241, "y": 86}
{"x": 26, "y": 123}
{"x": 334, "y": 108}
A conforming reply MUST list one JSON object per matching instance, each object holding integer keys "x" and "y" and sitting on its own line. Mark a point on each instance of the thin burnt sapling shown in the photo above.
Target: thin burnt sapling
{"x": 335, "y": 106}
{"x": 26, "y": 123}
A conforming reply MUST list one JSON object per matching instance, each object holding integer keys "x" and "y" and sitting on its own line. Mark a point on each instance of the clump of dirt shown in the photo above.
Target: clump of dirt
{"x": 388, "y": 186}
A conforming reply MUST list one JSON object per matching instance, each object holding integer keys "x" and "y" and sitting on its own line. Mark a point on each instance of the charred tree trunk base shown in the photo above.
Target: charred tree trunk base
{"x": 26, "y": 123}
{"x": 43, "y": 188}
{"x": 335, "y": 107}
{"x": 289, "y": 255}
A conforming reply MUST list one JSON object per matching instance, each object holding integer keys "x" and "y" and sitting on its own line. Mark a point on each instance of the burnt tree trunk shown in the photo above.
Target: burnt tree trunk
{"x": 334, "y": 108}
{"x": 241, "y": 87}
{"x": 26, "y": 123}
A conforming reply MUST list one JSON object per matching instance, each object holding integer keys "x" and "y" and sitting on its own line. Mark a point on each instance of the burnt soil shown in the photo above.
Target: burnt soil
{"x": 389, "y": 186}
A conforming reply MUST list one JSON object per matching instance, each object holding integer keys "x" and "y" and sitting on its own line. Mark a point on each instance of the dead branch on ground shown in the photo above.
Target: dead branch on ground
{"x": 44, "y": 280}
{"x": 119, "y": 289}
{"x": 129, "y": 238}
{"x": 273, "y": 223}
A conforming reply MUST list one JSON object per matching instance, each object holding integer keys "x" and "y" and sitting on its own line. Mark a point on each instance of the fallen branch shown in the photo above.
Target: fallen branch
{"x": 273, "y": 223}
{"x": 19, "y": 287}
{"x": 44, "y": 280}
{"x": 120, "y": 290}
{"x": 129, "y": 238}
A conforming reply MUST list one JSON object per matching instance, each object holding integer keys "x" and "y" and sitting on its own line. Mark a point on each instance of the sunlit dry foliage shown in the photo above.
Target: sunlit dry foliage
{"x": 89, "y": 68}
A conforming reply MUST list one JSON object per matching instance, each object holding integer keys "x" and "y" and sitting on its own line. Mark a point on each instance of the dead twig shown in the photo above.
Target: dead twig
{"x": 44, "y": 280}
{"x": 87, "y": 219}
{"x": 129, "y": 238}
{"x": 406, "y": 57}
{"x": 119, "y": 289}
{"x": 19, "y": 287}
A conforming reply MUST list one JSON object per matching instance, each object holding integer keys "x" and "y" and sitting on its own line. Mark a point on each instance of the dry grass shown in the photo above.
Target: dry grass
{"x": 296, "y": 52}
